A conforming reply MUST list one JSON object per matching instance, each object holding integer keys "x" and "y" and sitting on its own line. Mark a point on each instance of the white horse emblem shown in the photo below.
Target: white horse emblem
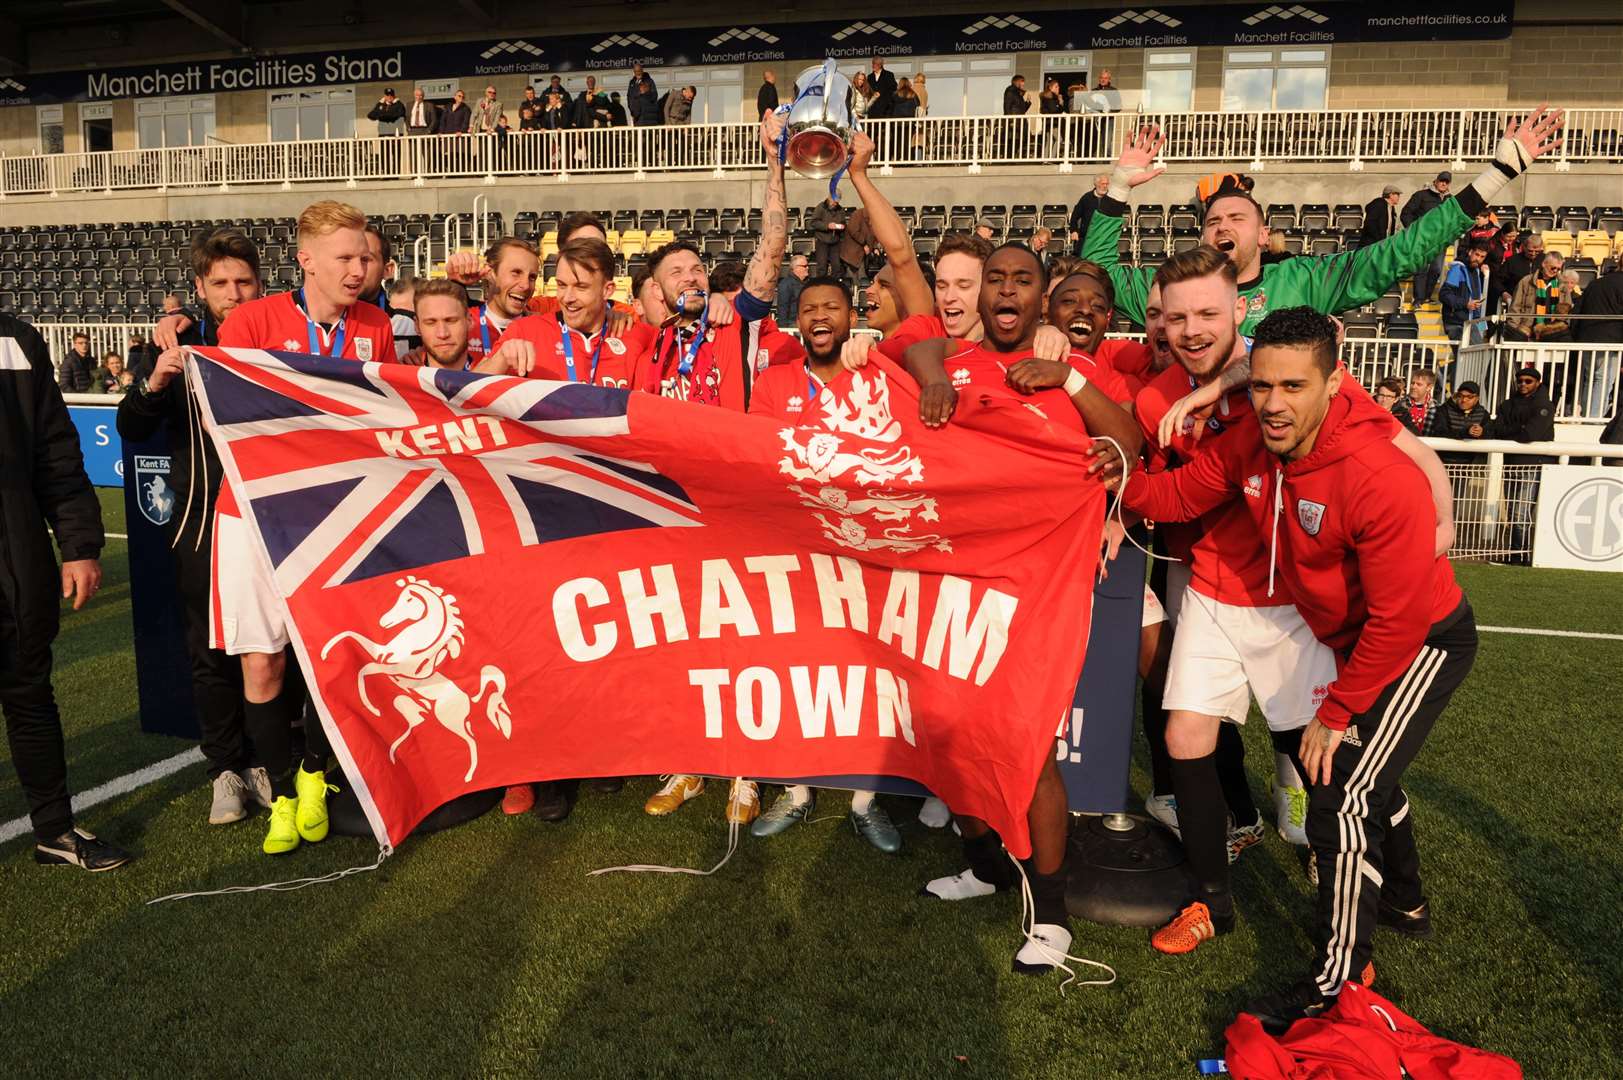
{"x": 432, "y": 635}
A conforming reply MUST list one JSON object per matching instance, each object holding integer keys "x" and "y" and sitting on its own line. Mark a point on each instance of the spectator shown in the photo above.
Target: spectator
{"x": 986, "y": 230}
{"x": 1529, "y": 254}
{"x": 390, "y": 114}
{"x": 1104, "y": 98}
{"x": 1527, "y": 416}
{"x": 1083, "y": 211}
{"x": 456, "y": 118}
{"x": 616, "y": 111}
{"x": 922, "y": 92}
{"x": 529, "y": 111}
{"x": 77, "y": 373}
{"x": 112, "y": 377}
{"x": 1387, "y": 392}
{"x": 1381, "y": 216}
{"x": 482, "y": 119}
{"x": 1015, "y": 103}
{"x": 1051, "y": 102}
{"x": 1484, "y": 228}
{"x": 1503, "y": 247}
{"x": 1538, "y": 310}
{"x": 1209, "y": 186}
{"x": 857, "y": 240}
{"x": 642, "y": 99}
{"x": 766, "y": 100}
{"x": 861, "y": 96}
{"x": 556, "y": 85}
{"x": 1427, "y": 198}
{"x": 1463, "y": 416}
{"x": 906, "y": 105}
{"x": 679, "y": 105}
{"x": 1417, "y": 410}
{"x": 882, "y": 85}
{"x": 142, "y": 354}
{"x": 423, "y": 118}
{"x": 1277, "y": 251}
{"x": 827, "y": 224}
{"x": 555, "y": 114}
{"x": 789, "y": 287}
{"x": 173, "y": 303}
{"x": 586, "y": 110}
{"x": 1465, "y": 295}
{"x": 1040, "y": 241}
{"x": 1602, "y": 306}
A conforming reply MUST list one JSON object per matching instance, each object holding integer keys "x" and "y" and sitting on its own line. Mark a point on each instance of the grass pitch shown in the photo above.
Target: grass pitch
{"x": 487, "y": 951}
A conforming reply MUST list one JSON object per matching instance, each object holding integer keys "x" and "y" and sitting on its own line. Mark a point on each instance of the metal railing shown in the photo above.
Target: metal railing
{"x": 1582, "y": 380}
{"x": 105, "y": 337}
{"x": 1253, "y": 139}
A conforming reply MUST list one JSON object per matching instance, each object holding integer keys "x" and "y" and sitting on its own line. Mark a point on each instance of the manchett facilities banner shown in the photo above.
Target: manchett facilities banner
{"x": 765, "y": 40}
{"x": 493, "y": 580}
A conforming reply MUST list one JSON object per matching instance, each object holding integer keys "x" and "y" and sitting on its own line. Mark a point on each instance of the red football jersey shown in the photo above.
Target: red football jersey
{"x": 914, "y": 329}
{"x": 485, "y": 330}
{"x": 975, "y": 367}
{"x": 1131, "y": 360}
{"x": 785, "y": 391}
{"x": 277, "y": 322}
{"x": 611, "y": 363}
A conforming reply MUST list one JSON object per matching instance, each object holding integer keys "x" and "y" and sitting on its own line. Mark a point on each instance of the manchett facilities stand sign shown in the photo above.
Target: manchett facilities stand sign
{"x": 1580, "y": 518}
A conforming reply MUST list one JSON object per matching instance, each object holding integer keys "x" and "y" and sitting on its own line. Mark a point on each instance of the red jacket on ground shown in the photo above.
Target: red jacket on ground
{"x": 1363, "y": 1036}
{"x": 1350, "y": 529}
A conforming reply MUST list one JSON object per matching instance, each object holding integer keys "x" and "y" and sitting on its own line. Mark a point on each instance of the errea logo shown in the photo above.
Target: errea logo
{"x": 960, "y": 377}
{"x": 1253, "y": 486}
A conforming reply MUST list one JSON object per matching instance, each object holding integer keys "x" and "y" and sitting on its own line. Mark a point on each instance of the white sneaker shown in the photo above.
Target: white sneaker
{"x": 963, "y": 886}
{"x": 229, "y": 792}
{"x": 1044, "y": 950}
{"x": 934, "y": 814}
{"x": 1164, "y": 809}
{"x": 257, "y": 781}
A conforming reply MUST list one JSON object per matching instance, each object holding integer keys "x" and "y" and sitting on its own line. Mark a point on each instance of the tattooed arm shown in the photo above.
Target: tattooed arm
{"x": 761, "y": 276}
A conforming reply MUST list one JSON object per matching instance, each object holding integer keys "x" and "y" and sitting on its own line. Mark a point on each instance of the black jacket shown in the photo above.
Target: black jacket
{"x": 1454, "y": 422}
{"x": 1426, "y": 427}
{"x": 821, "y": 221}
{"x": 78, "y": 373}
{"x": 1603, "y": 297}
{"x": 42, "y": 480}
{"x": 1082, "y": 213}
{"x": 1526, "y": 420}
{"x": 1380, "y": 221}
{"x": 1509, "y": 275}
{"x": 455, "y": 119}
{"x": 140, "y": 415}
{"x": 1419, "y": 203}
{"x": 1014, "y": 101}
{"x": 766, "y": 99}
{"x": 388, "y": 112}
{"x": 642, "y": 103}
{"x": 883, "y": 85}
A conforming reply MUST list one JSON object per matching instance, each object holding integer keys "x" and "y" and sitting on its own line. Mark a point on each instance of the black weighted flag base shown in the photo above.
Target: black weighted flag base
{"x": 1125, "y": 871}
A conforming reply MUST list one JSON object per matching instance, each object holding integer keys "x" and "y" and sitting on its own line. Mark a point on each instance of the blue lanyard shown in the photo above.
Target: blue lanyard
{"x": 685, "y": 367}
{"x": 310, "y": 326}
{"x": 484, "y": 329}
{"x": 569, "y": 347}
{"x": 812, "y": 389}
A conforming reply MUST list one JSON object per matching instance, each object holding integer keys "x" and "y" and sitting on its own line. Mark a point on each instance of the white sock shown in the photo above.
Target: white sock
{"x": 964, "y": 886}
{"x": 934, "y": 813}
{"x": 800, "y": 793}
{"x": 1055, "y": 943}
{"x": 860, "y": 801}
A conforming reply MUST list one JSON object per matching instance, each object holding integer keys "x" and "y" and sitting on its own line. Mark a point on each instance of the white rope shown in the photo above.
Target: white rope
{"x": 648, "y": 868}
{"x": 282, "y": 886}
{"x": 1028, "y": 922}
{"x": 1126, "y": 470}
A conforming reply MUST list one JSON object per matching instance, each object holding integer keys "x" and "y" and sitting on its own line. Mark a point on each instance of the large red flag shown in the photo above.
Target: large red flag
{"x": 493, "y": 580}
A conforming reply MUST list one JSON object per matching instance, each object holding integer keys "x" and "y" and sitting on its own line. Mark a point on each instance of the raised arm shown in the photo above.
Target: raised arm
{"x": 1135, "y": 166}
{"x": 761, "y": 276}
{"x": 911, "y": 288}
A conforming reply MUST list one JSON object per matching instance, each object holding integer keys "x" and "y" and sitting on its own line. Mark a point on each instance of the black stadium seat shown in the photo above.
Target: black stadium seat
{"x": 1184, "y": 216}
{"x": 1573, "y": 218}
{"x": 1537, "y": 218}
{"x": 1281, "y": 216}
{"x": 1314, "y": 217}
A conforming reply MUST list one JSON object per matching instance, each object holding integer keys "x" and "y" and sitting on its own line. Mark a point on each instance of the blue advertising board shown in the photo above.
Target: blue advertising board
{"x": 98, "y": 440}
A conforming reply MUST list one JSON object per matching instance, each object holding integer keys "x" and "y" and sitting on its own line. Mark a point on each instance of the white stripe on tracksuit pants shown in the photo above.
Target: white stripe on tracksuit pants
{"x": 1348, "y": 819}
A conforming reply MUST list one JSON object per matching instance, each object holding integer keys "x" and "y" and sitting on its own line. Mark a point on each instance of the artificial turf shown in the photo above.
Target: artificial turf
{"x": 486, "y": 950}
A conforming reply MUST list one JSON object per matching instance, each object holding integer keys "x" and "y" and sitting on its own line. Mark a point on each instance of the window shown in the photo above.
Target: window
{"x": 312, "y": 114}
{"x": 96, "y": 124}
{"x": 50, "y": 129}
{"x": 1169, "y": 80}
{"x": 1259, "y": 80}
{"x": 1072, "y": 70}
{"x": 163, "y": 122}
{"x": 957, "y": 87}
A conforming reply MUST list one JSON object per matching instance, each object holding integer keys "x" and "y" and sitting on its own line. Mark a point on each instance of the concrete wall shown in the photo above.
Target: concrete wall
{"x": 1584, "y": 185}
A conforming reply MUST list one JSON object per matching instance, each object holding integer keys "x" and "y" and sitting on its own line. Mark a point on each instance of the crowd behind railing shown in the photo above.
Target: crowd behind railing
{"x": 1348, "y": 137}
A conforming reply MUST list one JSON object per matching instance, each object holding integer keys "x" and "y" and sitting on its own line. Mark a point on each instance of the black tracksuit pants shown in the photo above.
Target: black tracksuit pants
{"x": 1359, "y": 824}
{"x": 33, "y": 725}
{"x": 216, "y": 676}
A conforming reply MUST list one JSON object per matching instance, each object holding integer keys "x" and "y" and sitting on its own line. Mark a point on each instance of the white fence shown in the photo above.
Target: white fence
{"x": 105, "y": 337}
{"x": 1346, "y": 137}
{"x": 1582, "y": 380}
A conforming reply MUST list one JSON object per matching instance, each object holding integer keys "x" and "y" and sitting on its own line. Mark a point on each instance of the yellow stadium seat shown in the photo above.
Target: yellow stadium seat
{"x": 612, "y": 238}
{"x": 550, "y": 237}
{"x": 622, "y": 288}
{"x": 1594, "y": 244}
{"x": 633, "y": 242}
{"x": 550, "y": 288}
{"x": 1558, "y": 242}
{"x": 661, "y": 237}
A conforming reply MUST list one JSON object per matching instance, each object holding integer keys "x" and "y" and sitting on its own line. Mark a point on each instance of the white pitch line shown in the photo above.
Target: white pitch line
{"x": 113, "y": 789}
{"x": 1550, "y": 633}
{"x": 118, "y": 536}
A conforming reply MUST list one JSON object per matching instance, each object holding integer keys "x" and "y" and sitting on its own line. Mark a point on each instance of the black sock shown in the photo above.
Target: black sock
{"x": 1231, "y": 775}
{"x": 1047, "y": 895}
{"x": 1155, "y": 734}
{"x": 1203, "y": 821}
{"x": 270, "y": 725}
{"x": 316, "y": 747}
{"x": 986, "y": 858}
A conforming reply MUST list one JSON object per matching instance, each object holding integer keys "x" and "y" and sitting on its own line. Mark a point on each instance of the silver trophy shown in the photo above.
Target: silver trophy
{"x": 819, "y": 123}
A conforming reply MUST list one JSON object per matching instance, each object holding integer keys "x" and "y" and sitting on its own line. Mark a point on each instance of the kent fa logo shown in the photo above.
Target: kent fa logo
{"x": 155, "y": 496}
{"x": 1311, "y": 515}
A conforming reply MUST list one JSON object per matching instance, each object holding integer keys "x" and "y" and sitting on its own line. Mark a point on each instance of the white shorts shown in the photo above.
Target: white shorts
{"x": 1223, "y": 654}
{"x": 245, "y": 614}
{"x": 1153, "y": 611}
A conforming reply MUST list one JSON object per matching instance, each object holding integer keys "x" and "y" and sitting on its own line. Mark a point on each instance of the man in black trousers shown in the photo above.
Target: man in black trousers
{"x": 42, "y": 479}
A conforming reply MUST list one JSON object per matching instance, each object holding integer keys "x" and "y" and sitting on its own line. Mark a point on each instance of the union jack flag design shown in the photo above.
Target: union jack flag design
{"x": 365, "y": 477}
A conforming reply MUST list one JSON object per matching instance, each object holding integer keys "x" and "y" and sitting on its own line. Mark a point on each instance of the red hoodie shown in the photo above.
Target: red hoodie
{"x": 1351, "y": 531}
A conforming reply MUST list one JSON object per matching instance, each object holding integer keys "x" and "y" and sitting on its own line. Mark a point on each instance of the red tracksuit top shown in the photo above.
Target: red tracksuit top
{"x": 1350, "y": 529}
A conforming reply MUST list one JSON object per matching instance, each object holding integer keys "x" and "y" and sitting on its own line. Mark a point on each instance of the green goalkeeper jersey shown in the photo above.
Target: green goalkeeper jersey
{"x": 1328, "y": 283}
